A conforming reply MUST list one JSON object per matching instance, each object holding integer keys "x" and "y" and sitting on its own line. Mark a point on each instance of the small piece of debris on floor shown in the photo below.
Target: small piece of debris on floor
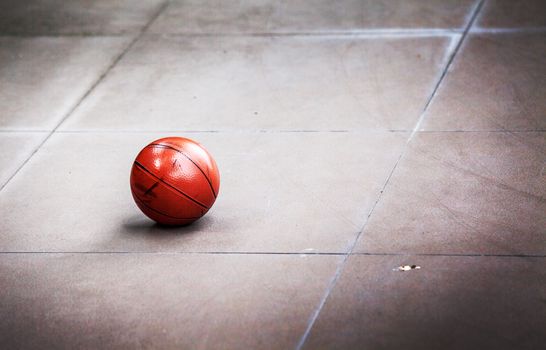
{"x": 405, "y": 268}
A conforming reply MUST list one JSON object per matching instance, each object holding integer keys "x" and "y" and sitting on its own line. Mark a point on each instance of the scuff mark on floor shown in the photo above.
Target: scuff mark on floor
{"x": 405, "y": 268}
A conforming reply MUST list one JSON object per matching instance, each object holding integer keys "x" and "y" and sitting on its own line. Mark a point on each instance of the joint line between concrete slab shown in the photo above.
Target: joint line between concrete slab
{"x": 446, "y": 68}
{"x": 340, "y": 267}
{"x": 88, "y": 92}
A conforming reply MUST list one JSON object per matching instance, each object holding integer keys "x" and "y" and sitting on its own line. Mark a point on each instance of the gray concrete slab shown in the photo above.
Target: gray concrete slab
{"x": 158, "y": 301}
{"x": 450, "y": 303}
{"x": 513, "y": 14}
{"x": 496, "y": 83}
{"x": 75, "y": 17}
{"x": 43, "y": 78}
{"x": 273, "y": 83}
{"x": 296, "y": 16}
{"x": 479, "y": 193}
{"x": 15, "y": 148}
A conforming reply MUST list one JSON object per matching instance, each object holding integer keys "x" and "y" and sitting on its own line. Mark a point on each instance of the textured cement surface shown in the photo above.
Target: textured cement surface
{"x": 353, "y": 138}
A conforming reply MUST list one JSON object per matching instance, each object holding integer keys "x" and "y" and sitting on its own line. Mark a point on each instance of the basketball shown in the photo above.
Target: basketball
{"x": 174, "y": 181}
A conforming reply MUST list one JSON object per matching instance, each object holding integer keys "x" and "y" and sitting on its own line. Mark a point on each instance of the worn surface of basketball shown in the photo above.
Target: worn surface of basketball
{"x": 174, "y": 181}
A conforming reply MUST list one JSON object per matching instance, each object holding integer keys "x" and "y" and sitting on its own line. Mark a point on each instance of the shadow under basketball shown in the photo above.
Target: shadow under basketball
{"x": 140, "y": 225}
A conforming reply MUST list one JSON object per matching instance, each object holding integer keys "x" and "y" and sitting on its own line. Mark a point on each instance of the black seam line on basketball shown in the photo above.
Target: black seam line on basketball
{"x": 185, "y": 155}
{"x": 162, "y": 213}
{"x": 169, "y": 185}
{"x": 149, "y": 190}
{"x": 149, "y": 173}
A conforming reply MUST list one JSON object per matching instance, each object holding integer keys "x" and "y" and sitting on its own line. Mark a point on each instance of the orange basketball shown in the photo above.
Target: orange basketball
{"x": 174, "y": 181}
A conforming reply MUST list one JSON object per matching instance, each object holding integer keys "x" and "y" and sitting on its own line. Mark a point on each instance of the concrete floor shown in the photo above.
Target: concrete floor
{"x": 353, "y": 137}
